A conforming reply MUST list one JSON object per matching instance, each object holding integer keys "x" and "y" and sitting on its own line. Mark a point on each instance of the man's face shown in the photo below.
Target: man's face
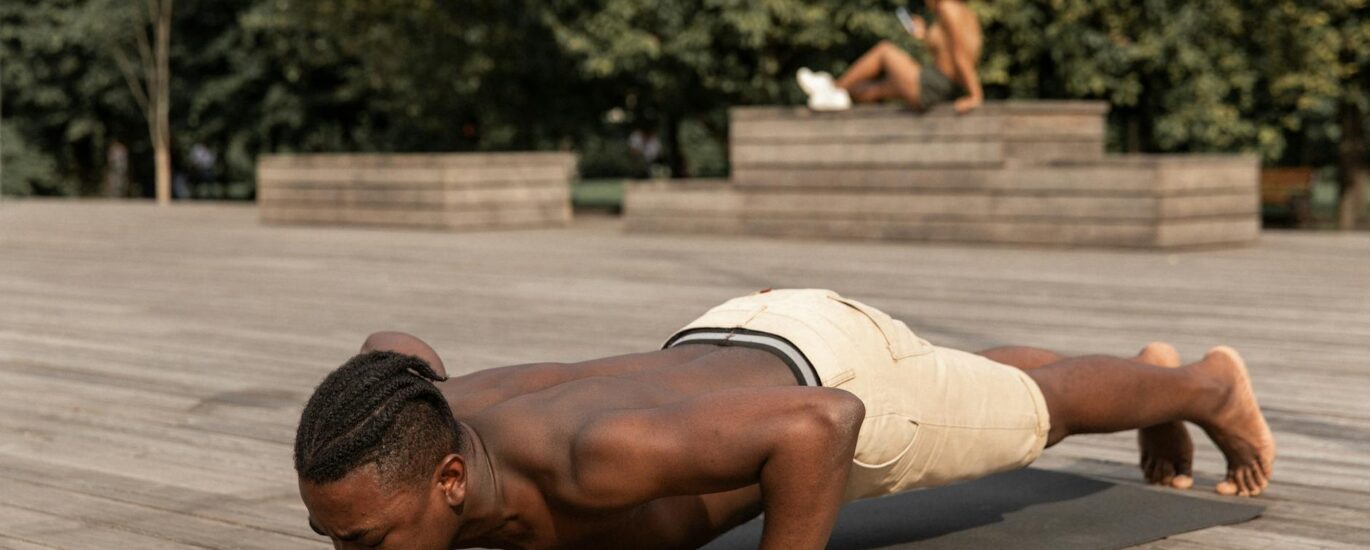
{"x": 359, "y": 511}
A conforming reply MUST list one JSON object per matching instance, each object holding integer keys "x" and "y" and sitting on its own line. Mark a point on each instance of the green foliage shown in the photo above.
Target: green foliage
{"x": 1316, "y": 59}
{"x": 607, "y": 156}
{"x": 677, "y": 65}
{"x": 60, "y": 95}
{"x": 261, "y": 76}
{"x": 1175, "y": 69}
{"x": 25, "y": 170}
{"x": 1213, "y": 75}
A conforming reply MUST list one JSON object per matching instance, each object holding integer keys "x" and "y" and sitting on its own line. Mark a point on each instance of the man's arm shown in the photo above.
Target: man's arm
{"x": 796, "y": 442}
{"x": 406, "y": 344}
{"x": 950, "y": 17}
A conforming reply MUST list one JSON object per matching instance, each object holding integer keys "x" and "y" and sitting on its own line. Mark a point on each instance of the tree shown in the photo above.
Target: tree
{"x": 1279, "y": 77}
{"x": 62, "y": 100}
{"x": 1175, "y": 72}
{"x": 1316, "y": 59}
{"x": 26, "y": 170}
{"x": 1216, "y": 75}
{"x": 678, "y": 61}
{"x": 146, "y": 29}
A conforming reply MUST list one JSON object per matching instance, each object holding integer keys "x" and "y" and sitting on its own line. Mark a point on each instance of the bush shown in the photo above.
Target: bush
{"x": 26, "y": 171}
{"x": 606, "y": 157}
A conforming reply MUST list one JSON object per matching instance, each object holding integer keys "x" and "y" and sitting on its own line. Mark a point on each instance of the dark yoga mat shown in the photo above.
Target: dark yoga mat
{"x": 1023, "y": 509}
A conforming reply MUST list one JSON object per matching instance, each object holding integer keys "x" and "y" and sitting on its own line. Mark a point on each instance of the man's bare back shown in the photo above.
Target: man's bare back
{"x": 534, "y": 458}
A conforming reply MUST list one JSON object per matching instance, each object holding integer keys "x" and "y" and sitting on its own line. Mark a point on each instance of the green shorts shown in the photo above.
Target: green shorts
{"x": 935, "y": 87}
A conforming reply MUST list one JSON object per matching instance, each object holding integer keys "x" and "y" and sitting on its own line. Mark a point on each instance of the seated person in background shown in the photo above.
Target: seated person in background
{"x": 955, "y": 41}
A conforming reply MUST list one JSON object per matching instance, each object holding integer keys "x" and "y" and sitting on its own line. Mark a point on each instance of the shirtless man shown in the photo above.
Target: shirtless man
{"x": 888, "y": 72}
{"x": 787, "y": 402}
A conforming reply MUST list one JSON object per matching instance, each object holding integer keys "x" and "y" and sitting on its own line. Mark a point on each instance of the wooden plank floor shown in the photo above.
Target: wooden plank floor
{"x": 153, "y": 362}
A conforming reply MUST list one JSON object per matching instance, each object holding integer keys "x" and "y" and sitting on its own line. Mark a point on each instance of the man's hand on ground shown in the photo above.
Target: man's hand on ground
{"x": 797, "y": 443}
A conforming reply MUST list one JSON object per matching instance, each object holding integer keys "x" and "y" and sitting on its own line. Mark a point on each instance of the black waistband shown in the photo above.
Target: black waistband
{"x": 793, "y": 357}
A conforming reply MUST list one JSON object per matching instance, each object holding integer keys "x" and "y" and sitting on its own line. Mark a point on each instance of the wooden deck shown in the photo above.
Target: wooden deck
{"x": 153, "y": 362}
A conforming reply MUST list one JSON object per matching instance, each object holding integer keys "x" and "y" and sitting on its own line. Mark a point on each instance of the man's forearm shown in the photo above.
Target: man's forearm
{"x": 966, "y": 67}
{"x": 803, "y": 482}
{"x": 975, "y": 95}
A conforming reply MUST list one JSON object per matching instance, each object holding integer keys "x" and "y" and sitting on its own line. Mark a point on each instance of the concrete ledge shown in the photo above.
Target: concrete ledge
{"x": 413, "y": 160}
{"x": 439, "y": 191}
{"x": 1074, "y": 107}
{"x": 1044, "y": 233}
{"x": 874, "y": 136}
{"x": 942, "y": 206}
{"x": 1148, "y": 175}
{"x": 1152, "y": 201}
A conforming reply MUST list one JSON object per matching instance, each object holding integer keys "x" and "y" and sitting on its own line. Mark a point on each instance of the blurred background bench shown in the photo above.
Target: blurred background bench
{"x": 1287, "y": 195}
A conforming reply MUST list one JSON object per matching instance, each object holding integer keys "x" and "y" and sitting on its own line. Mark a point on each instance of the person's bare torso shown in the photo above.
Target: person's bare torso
{"x": 528, "y": 417}
{"x": 939, "y": 40}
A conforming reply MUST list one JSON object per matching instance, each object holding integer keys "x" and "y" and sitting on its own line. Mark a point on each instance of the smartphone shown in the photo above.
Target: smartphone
{"x": 904, "y": 18}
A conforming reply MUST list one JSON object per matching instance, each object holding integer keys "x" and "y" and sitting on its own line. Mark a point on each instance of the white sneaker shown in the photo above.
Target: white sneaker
{"x": 808, "y": 81}
{"x": 813, "y": 82}
{"x": 832, "y": 99}
{"x": 824, "y": 95}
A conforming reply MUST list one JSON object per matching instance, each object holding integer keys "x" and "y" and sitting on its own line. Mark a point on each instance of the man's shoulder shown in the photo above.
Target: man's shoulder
{"x": 555, "y": 435}
{"x": 560, "y": 412}
{"x": 959, "y": 12}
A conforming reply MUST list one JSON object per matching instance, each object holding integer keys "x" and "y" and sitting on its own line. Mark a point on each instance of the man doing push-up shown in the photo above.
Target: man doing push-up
{"x": 787, "y": 402}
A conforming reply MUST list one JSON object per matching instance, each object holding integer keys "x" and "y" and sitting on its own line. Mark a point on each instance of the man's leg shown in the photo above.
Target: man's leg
{"x": 1167, "y": 452}
{"x": 1022, "y": 357}
{"x": 900, "y": 75}
{"x": 872, "y": 91}
{"x": 1100, "y": 394}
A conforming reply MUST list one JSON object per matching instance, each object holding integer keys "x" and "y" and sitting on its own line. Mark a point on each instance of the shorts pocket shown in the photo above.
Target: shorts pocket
{"x": 882, "y": 451}
{"x": 900, "y": 341}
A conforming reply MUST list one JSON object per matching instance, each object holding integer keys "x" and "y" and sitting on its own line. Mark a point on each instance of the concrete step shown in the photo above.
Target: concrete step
{"x": 892, "y": 136}
{"x": 439, "y": 191}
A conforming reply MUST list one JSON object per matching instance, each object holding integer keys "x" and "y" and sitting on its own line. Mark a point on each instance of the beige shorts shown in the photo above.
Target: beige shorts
{"x": 933, "y": 415}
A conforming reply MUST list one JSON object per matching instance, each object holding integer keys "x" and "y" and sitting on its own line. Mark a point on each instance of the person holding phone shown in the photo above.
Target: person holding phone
{"x": 888, "y": 72}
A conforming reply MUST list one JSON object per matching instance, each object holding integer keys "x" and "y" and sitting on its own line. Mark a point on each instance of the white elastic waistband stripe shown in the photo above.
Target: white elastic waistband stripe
{"x": 805, "y": 370}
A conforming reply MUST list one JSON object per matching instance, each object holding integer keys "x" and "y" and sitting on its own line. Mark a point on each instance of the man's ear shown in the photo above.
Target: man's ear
{"x": 452, "y": 479}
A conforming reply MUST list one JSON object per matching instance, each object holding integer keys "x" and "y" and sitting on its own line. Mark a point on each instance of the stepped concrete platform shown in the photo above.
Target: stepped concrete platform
{"x": 1011, "y": 172}
{"x": 437, "y": 191}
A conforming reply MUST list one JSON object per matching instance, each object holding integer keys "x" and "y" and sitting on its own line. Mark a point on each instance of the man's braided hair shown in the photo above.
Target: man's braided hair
{"x": 378, "y": 408}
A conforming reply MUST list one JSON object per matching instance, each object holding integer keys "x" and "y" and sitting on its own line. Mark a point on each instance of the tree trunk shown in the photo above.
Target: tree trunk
{"x": 720, "y": 135}
{"x": 679, "y": 167}
{"x": 1134, "y": 132}
{"x": 1351, "y": 196}
{"x": 162, "y": 163}
{"x": 161, "y": 138}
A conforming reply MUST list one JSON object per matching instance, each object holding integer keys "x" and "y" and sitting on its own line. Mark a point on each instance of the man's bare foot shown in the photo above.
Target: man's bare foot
{"x": 1167, "y": 451}
{"x": 1237, "y": 425}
